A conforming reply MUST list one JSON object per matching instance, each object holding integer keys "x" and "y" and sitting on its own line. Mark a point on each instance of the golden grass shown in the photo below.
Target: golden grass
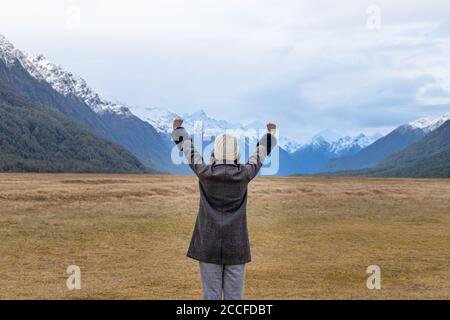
{"x": 311, "y": 237}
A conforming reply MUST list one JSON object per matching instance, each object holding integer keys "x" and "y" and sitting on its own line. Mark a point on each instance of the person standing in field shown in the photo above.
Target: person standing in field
{"x": 220, "y": 238}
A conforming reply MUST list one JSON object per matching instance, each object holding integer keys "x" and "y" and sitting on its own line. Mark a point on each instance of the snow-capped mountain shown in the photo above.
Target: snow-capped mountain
{"x": 429, "y": 124}
{"x": 61, "y": 80}
{"x": 328, "y": 145}
{"x": 346, "y": 143}
{"x": 67, "y": 83}
{"x": 328, "y": 140}
{"x": 289, "y": 144}
{"x": 397, "y": 140}
{"x": 209, "y": 123}
{"x": 34, "y": 138}
{"x": 44, "y": 83}
{"x": 135, "y": 128}
{"x": 130, "y": 133}
{"x": 161, "y": 119}
{"x": 11, "y": 55}
{"x": 8, "y": 53}
{"x": 335, "y": 144}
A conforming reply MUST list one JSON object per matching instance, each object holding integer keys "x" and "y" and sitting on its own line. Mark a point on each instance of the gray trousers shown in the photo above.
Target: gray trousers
{"x": 222, "y": 278}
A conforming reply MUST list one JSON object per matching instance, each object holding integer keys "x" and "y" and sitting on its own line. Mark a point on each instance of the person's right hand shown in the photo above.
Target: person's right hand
{"x": 177, "y": 123}
{"x": 271, "y": 127}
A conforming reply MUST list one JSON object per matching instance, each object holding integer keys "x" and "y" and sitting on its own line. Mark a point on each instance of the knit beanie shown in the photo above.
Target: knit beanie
{"x": 226, "y": 148}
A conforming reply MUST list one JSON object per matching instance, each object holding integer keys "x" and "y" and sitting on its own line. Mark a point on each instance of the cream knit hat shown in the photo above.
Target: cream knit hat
{"x": 226, "y": 148}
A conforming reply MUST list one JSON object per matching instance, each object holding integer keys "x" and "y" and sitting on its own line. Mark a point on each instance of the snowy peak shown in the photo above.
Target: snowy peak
{"x": 161, "y": 119}
{"x": 347, "y": 143}
{"x": 325, "y": 137}
{"x": 250, "y": 130}
{"x": 62, "y": 81}
{"x": 67, "y": 83}
{"x": 336, "y": 144}
{"x": 209, "y": 123}
{"x": 12, "y": 56}
{"x": 318, "y": 142}
{"x": 429, "y": 124}
{"x": 289, "y": 144}
{"x": 8, "y": 53}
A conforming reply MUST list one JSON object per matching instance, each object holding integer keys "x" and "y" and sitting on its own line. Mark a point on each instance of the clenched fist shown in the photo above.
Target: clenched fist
{"x": 177, "y": 123}
{"x": 271, "y": 127}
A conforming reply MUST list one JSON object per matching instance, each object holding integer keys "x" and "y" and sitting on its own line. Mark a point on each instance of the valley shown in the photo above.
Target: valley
{"x": 311, "y": 237}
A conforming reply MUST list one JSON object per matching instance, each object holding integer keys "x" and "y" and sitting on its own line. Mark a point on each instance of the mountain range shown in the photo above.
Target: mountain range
{"x": 395, "y": 141}
{"x": 295, "y": 157}
{"x": 36, "y": 138}
{"x": 429, "y": 157}
{"x": 43, "y": 83}
{"x": 137, "y": 139}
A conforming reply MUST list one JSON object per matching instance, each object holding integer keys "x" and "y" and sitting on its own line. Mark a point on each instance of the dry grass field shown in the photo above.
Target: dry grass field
{"x": 312, "y": 237}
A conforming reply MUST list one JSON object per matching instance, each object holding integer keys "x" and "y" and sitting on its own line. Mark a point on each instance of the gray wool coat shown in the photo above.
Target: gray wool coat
{"x": 220, "y": 234}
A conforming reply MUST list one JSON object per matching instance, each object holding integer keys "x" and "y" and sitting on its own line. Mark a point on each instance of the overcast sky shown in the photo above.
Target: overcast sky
{"x": 348, "y": 65}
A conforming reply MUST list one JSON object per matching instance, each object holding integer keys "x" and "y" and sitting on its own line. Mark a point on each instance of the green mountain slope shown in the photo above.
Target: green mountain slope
{"x": 39, "y": 139}
{"x": 427, "y": 158}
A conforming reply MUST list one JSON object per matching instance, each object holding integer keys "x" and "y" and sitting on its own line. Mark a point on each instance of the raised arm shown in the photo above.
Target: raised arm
{"x": 184, "y": 142}
{"x": 263, "y": 149}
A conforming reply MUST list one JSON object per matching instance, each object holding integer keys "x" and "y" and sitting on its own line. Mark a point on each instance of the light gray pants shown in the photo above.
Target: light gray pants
{"x": 222, "y": 278}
